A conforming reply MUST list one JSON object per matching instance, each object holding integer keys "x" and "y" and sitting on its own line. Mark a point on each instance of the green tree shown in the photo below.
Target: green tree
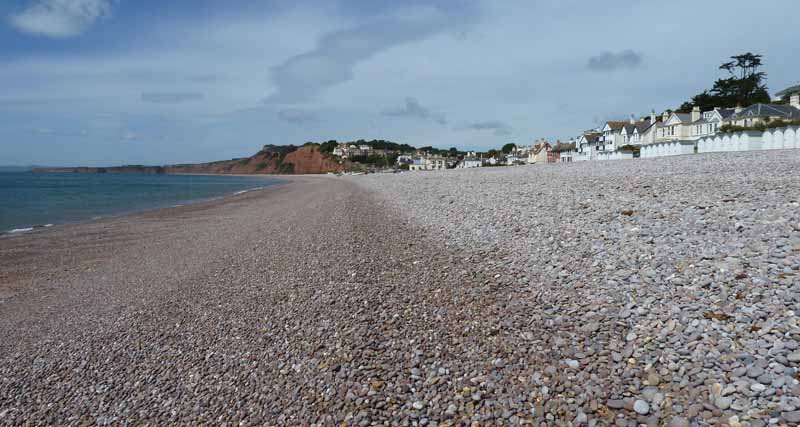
{"x": 508, "y": 148}
{"x": 745, "y": 86}
{"x": 328, "y": 146}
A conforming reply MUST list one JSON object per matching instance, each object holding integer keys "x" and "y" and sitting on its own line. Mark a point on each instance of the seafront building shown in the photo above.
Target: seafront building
{"x": 471, "y": 160}
{"x": 674, "y": 133}
{"x": 428, "y": 163}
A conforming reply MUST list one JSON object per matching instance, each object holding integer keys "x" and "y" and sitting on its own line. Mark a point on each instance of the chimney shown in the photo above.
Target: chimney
{"x": 738, "y": 109}
{"x": 633, "y": 119}
{"x": 696, "y": 114}
{"x": 652, "y": 116}
{"x": 794, "y": 100}
{"x": 665, "y": 116}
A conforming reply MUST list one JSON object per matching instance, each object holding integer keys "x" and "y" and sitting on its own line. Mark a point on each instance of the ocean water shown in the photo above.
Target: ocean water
{"x": 29, "y": 200}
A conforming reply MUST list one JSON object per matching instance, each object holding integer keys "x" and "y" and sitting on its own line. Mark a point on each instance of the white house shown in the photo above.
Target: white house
{"x": 469, "y": 162}
{"x": 610, "y": 136}
{"x": 710, "y": 122}
{"x": 588, "y": 144}
{"x": 428, "y": 163}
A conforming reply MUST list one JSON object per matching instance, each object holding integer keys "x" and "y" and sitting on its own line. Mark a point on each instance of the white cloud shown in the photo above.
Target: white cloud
{"x": 60, "y": 18}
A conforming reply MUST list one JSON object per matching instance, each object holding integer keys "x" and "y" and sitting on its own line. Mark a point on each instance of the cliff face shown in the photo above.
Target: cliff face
{"x": 271, "y": 160}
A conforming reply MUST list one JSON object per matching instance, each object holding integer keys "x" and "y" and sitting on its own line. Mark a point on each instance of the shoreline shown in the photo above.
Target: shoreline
{"x": 38, "y": 228}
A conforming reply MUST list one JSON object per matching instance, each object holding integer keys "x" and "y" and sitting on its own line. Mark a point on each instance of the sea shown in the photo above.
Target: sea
{"x": 29, "y": 200}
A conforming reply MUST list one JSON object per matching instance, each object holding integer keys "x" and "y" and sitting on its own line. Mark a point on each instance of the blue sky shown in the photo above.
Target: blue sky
{"x": 104, "y": 82}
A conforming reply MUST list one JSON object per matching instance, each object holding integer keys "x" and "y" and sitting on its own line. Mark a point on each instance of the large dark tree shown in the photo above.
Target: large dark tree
{"x": 509, "y": 148}
{"x": 744, "y": 86}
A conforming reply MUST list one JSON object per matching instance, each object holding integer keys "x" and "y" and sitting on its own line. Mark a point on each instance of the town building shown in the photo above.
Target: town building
{"x": 469, "y": 162}
{"x": 540, "y": 152}
{"x": 588, "y": 145}
{"x": 567, "y": 152}
{"x": 609, "y": 139}
{"x": 760, "y": 114}
{"x": 428, "y": 163}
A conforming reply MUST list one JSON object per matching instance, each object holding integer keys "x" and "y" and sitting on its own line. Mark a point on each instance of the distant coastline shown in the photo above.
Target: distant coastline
{"x": 157, "y": 170}
{"x": 270, "y": 160}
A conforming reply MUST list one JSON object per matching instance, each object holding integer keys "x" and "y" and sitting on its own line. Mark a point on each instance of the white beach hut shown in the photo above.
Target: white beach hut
{"x": 766, "y": 140}
{"x": 777, "y": 139}
{"x": 726, "y": 143}
{"x": 790, "y": 138}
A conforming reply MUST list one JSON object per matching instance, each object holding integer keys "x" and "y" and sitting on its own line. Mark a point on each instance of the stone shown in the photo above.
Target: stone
{"x": 678, "y": 422}
{"x": 791, "y": 416}
{"x": 641, "y": 407}
{"x": 723, "y": 402}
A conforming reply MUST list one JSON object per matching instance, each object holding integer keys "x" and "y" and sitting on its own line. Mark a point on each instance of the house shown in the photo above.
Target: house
{"x": 759, "y": 114}
{"x": 568, "y": 152}
{"x": 428, "y": 163}
{"x": 588, "y": 144}
{"x": 340, "y": 150}
{"x": 633, "y": 132}
{"x": 495, "y": 160}
{"x": 435, "y": 163}
{"x": 676, "y": 126}
{"x": 645, "y": 133}
{"x": 470, "y": 162}
{"x": 540, "y": 152}
{"x": 404, "y": 159}
{"x": 710, "y": 122}
{"x": 793, "y": 95}
{"x": 552, "y": 155}
{"x": 610, "y": 136}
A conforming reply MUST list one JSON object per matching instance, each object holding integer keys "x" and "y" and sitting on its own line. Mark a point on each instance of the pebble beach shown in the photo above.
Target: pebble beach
{"x": 656, "y": 292}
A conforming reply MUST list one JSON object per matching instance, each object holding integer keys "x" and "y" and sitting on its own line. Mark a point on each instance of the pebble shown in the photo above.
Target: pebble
{"x": 641, "y": 407}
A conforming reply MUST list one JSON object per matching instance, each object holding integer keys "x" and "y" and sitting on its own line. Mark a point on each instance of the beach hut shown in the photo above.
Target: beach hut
{"x": 777, "y": 139}
{"x": 790, "y": 138}
{"x": 725, "y": 145}
{"x": 766, "y": 140}
{"x": 737, "y": 141}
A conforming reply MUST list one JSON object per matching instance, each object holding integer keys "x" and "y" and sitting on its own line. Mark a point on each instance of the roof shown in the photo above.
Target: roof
{"x": 640, "y": 126}
{"x": 685, "y": 117}
{"x": 725, "y": 112}
{"x": 592, "y": 136}
{"x": 563, "y": 146}
{"x": 788, "y": 91}
{"x": 616, "y": 125}
{"x": 540, "y": 146}
{"x": 768, "y": 110}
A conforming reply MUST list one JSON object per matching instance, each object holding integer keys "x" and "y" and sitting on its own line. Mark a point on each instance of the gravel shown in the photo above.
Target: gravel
{"x": 672, "y": 281}
{"x": 621, "y": 293}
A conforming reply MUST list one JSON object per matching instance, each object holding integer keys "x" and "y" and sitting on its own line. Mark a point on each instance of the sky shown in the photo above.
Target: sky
{"x": 110, "y": 82}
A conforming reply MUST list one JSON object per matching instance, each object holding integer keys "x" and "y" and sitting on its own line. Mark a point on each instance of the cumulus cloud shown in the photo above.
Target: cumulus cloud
{"x": 171, "y": 97}
{"x": 303, "y": 76}
{"x": 499, "y": 128}
{"x": 415, "y": 110}
{"x": 608, "y": 61}
{"x": 60, "y": 18}
{"x": 298, "y": 117}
